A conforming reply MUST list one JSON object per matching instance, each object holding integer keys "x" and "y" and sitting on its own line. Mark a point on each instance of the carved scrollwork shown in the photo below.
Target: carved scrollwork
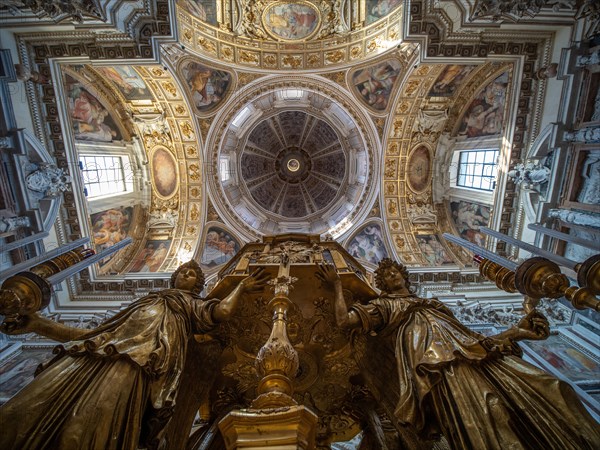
{"x": 502, "y": 9}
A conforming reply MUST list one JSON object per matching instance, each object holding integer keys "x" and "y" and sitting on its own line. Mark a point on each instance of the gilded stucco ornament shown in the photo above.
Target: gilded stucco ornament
{"x": 315, "y": 33}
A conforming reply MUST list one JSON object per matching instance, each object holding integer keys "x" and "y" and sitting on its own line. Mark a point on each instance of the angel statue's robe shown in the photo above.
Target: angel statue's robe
{"x": 475, "y": 390}
{"x": 116, "y": 385}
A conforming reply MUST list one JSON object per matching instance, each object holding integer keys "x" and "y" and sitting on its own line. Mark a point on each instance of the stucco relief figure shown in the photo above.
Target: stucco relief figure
{"x": 474, "y": 390}
{"x": 48, "y": 179}
{"x": 115, "y": 387}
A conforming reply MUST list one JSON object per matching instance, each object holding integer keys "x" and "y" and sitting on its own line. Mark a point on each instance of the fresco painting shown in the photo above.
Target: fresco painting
{"x": 219, "y": 247}
{"x": 205, "y": 10}
{"x": 150, "y": 258}
{"x": 571, "y": 362}
{"x": 291, "y": 20}
{"x": 91, "y": 120}
{"x": 418, "y": 168}
{"x": 468, "y": 217}
{"x": 368, "y": 244}
{"x": 375, "y": 84}
{"x": 447, "y": 83}
{"x": 110, "y": 227}
{"x": 207, "y": 86}
{"x": 376, "y": 9}
{"x": 128, "y": 81}
{"x": 485, "y": 113}
{"x": 433, "y": 251}
{"x": 16, "y": 372}
{"x": 164, "y": 173}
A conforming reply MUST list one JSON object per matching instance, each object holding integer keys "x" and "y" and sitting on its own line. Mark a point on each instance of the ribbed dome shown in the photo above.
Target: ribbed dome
{"x": 292, "y": 160}
{"x": 293, "y": 164}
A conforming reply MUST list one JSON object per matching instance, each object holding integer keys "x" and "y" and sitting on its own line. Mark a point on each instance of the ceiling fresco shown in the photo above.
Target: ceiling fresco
{"x": 281, "y": 35}
{"x": 289, "y": 158}
{"x": 241, "y": 119}
{"x": 145, "y": 102}
{"x": 292, "y": 155}
{"x": 269, "y": 117}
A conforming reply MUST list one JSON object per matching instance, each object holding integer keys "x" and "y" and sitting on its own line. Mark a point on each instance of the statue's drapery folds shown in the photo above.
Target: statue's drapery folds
{"x": 471, "y": 388}
{"x": 119, "y": 376}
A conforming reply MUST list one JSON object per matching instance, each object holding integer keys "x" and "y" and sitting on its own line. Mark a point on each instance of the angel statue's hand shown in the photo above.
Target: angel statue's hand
{"x": 327, "y": 274}
{"x": 534, "y": 326}
{"x": 256, "y": 281}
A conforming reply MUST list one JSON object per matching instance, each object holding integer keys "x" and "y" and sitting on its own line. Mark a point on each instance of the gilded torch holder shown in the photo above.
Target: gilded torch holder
{"x": 539, "y": 277}
{"x": 23, "y": 294}
{"x": 503, "y": 277}
{"x": 29, "y": 291}
{"x": 588, "y": 274}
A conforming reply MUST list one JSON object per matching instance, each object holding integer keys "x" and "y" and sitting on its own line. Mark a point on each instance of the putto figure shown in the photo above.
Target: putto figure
{"x": 115, "y": 387}
{"x": 474, "y": 390}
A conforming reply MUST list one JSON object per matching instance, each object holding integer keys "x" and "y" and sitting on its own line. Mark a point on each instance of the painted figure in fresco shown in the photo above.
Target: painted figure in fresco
{"x": 468, "y": 218}
{"x": 141, "y": 258}
{"x": 486, "y": 112}
{"x": 115, "y": 387}
{"x": 219, "y": 247}
{"x": 375, "y": 84}
{"x": 368, "y": 245}
{"x": 89, "y": 117}
{"x": 433, "y": 251}
{"x": 127, "y": 80}
{"x": 474, "y": 390}
{"x": 157, "y": 257}
{"x": 376, "y": 9}
{"x": 206, "y": 85}
{"x": 449, "y": 79}
{"x": 110, "y": 228}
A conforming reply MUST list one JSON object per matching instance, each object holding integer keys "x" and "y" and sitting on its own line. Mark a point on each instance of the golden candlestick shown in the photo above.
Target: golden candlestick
{"x": 588, "y": 274}
{"x": 503, "y": 277}
{"x": 539, "y": 277}
{"x": 277, "y": 361}
{"x": 29, "y": 291}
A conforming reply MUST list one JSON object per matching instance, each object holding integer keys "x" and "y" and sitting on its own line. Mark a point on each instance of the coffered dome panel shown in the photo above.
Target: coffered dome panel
{"x": 304, "y": 169}
{"x": 293, "y": 159}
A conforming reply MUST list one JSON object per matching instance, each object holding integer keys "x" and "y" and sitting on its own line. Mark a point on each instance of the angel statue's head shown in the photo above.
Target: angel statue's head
{"x": 391, "y": 276}
{"x": 188, "y": 277}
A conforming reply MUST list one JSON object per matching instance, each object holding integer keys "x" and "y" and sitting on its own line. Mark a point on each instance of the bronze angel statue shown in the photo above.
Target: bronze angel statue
{"x": 116, "y": 386}
{"x": 436, "y": 377}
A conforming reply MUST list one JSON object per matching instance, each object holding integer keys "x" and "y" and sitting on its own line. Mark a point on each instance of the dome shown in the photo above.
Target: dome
{"x": 292, "y": 158}
{"x": 297, "y": 173}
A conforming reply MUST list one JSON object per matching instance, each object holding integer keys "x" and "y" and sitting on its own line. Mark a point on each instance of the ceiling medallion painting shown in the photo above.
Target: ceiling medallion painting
{"x": 298, "y": 35}
{"x": 291, "y": 21}
{"x": 418, "y": 169}
{"x": 164, "y": 173}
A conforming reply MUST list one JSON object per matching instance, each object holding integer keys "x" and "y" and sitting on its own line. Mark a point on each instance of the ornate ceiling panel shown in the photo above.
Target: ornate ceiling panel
{"x": 305, "y": 35}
